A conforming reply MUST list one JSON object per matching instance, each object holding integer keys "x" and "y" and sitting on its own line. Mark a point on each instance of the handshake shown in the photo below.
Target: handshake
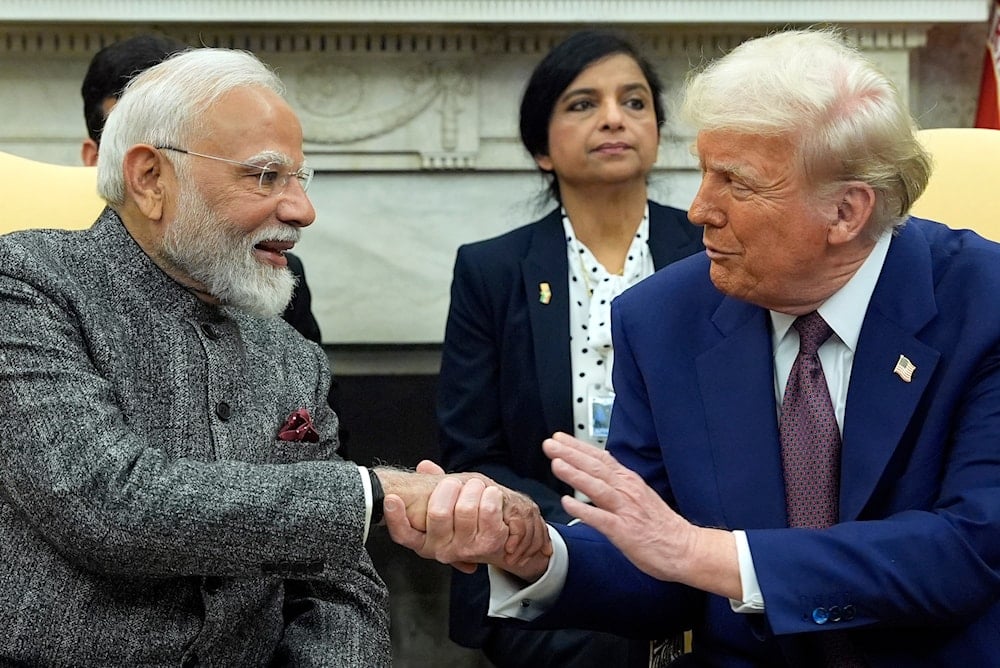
{"x": 465, "y": 519}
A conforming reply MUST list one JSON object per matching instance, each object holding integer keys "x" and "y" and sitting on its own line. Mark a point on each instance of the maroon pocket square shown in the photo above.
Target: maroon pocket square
{"x": 299, "y": 427}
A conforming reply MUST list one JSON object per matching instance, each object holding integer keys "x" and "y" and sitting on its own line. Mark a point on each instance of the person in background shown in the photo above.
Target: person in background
{"x": 527, "y": 348}
{"x": 170, "y": 492}
{"x": 803, "y": 460}
{"x": 109, "y": 72}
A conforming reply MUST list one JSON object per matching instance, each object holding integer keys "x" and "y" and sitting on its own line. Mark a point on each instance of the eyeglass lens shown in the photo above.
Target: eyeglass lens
{"x": 274, "y": 178}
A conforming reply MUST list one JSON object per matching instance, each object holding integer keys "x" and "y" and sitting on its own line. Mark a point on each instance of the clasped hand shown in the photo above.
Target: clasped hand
{"x": 468, "y": 519}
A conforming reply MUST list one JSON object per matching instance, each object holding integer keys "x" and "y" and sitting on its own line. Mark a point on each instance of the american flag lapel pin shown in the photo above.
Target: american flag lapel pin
{"x": 904, "y": 369}
{"x": 544, "y": 293}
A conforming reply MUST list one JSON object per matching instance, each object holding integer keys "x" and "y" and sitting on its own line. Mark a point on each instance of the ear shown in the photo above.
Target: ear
{"x": 88, "y": 152}
{"x": 145, "y": 179}
{"x": 854, "y": 210}
{"x": 544, "y": 162}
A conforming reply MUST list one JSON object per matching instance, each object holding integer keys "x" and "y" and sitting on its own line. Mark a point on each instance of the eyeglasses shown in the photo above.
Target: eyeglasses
{"x": 273, "y": 176}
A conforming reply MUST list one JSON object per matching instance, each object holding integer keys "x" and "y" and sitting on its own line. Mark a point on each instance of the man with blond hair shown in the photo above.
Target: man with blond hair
{"x": 802, "y": 464}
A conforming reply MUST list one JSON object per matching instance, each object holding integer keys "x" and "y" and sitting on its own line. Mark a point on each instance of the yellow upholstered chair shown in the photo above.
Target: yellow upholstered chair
{"x": 37, "y": 194}
{"x": 964, "y": 191}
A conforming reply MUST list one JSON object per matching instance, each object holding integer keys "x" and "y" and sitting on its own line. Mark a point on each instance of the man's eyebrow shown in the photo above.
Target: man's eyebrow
{"x": 265, "y": 157}
{"x": 733, "y": 169}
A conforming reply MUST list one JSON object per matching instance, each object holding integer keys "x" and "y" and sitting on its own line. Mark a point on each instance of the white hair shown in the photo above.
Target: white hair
{"x": 844, "y": 115}
{"x": 165, "y": 104}
{"x": 205, "y": 245}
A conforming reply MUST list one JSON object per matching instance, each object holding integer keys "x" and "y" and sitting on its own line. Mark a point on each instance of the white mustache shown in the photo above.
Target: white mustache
{"x": 280, "y": 233}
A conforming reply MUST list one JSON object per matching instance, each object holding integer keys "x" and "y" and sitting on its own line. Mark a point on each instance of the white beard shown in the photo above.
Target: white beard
{"x": 209, "y": 249}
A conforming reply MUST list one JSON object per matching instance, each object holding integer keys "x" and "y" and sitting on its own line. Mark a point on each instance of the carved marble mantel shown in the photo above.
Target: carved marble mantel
{"x": 409, "y": 109}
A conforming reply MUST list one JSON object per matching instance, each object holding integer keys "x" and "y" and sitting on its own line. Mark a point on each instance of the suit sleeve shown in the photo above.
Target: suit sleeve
{"x": 110, "y": 499}
{"x": 470, "y": 401}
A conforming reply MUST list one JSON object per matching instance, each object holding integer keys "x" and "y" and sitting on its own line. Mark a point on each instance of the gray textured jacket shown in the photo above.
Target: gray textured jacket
{"x": 148, "y": 514}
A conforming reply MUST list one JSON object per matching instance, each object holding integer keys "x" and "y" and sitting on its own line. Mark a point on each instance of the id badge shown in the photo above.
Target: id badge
{"x": 599, "y": 408}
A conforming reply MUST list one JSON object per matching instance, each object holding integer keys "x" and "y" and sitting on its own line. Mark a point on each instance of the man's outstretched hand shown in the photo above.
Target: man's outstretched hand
{"x": 639, "y": 522}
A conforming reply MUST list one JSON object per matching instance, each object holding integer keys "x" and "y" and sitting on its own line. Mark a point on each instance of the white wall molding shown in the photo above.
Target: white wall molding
{"x": 662, "y": 40}
{"x": 413, "y": 98}
{"x": 409, "y": 110}
{"x": 494, "y": 11}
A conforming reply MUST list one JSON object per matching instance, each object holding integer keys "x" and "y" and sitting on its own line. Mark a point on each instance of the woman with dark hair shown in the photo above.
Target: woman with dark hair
{"x": 527, "y": 349}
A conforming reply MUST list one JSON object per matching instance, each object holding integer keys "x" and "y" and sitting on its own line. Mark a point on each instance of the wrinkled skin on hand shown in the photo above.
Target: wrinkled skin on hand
{"x": 415, "y": 488}
{"x": 468, "y": 520}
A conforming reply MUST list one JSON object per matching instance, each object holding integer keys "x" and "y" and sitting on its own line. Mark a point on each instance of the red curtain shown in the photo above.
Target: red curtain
{"x": 988, "y": 113}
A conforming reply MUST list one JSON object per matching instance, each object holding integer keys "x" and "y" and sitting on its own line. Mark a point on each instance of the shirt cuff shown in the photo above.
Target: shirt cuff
{"x": 366, "y": 484}
{"x": 753, "y": 599}
{"x": 511, "y": 598}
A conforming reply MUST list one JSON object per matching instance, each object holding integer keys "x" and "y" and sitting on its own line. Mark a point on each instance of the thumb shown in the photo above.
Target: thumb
{"x": 398, "y": 524}
{"x": 393, "y": 505}
{"x": 427, "y": 466}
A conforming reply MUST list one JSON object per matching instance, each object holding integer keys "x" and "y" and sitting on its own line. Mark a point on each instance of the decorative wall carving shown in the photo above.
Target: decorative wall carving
{"x": 350, "y": 104}
{"x": 409, "y": 109}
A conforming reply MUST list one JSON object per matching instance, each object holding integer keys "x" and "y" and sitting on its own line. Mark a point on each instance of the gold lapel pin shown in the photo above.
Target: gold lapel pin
{"x": 544, "y": 293}
{"x": 904, "y": 369}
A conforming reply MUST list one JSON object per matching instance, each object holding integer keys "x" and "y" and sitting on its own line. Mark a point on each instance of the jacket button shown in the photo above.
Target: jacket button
{"x": 211, "y": 332}
{"x": 820, "y": 615}
{"x": 223, "y": 410}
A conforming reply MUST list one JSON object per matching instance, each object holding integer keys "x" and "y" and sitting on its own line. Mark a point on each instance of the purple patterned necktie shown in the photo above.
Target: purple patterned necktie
{"x": 810, "y": 453}
{"x": 810, "y": 438}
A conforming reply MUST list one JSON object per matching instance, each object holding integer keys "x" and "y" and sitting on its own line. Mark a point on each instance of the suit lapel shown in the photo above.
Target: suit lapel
{"x": 546, "y": 263}
{"x": 666, "y": 242}
{"x": 736, "y": 377}
{"x": 661, "y": 246}
{"x": 880, "y": 404}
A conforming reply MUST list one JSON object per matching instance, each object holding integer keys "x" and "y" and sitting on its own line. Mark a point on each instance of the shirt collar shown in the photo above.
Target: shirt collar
{"x": 845, "y": 309}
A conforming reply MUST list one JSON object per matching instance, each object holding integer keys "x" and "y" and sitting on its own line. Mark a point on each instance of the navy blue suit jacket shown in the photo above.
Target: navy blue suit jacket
{"x": 505, "y": 382}
{"x": 912, "y": 571}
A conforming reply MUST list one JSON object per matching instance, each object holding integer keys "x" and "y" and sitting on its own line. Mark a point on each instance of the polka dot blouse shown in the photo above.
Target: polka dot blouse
{"x": 591, "y": 289}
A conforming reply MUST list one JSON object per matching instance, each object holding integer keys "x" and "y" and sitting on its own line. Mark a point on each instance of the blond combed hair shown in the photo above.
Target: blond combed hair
{"x": 845, "y": 116}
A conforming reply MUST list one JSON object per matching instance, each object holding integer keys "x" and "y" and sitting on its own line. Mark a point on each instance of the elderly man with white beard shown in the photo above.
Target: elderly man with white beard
{"x": 169, "y": 488}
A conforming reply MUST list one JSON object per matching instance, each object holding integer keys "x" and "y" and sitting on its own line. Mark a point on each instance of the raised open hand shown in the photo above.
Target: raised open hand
{"x": 625, "y": 508}
{"x": 639, "y": 522}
